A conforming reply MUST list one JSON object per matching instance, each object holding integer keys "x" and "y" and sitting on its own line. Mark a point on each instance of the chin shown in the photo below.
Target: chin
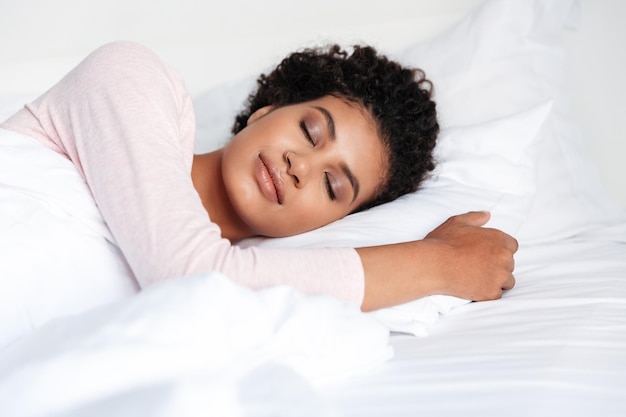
{"x": 272, "y": 232}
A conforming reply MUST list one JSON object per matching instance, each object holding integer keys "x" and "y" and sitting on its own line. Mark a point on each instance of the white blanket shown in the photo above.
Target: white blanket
{"x": 200, "y": 345}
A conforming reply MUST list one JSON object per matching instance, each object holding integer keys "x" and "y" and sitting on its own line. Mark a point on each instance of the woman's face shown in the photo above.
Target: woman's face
{"x": 299, "y": 167}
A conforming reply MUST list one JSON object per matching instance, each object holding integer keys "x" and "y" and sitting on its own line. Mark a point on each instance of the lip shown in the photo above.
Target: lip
{"x": 269, "y": 180}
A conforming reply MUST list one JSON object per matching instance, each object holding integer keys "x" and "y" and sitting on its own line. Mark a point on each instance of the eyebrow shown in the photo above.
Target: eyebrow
{"x": 330, "y": 124}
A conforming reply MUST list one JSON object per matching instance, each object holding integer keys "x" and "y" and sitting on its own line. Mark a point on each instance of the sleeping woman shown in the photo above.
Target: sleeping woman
{"x": 327, "y": 133}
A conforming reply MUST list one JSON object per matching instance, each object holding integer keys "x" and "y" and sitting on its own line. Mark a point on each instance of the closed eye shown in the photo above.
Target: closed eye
{"x": 306, "y": 132}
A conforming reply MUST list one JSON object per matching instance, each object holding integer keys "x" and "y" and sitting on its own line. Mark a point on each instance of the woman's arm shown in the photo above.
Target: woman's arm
{"x": 125, "y": 119}
{"x": 459, "y": 258}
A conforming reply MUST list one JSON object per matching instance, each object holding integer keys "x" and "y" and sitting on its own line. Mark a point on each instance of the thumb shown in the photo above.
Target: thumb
{"x": 474, "y": 218}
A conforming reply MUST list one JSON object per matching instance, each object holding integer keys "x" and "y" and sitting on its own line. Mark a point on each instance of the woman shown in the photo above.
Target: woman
{"x": 306, "y": 152}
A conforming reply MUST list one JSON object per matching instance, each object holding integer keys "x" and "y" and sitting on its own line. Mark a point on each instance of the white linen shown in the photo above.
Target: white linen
{"x": 201, "y": 344}
{"x": 555, "y": 346}
{"x": 507, "y": 54}
{"x": 418, "y": 316}
{"x": 58, "y": 257}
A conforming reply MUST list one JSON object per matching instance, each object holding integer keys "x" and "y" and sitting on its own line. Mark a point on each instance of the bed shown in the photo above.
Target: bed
{"x": 531, "y": 102}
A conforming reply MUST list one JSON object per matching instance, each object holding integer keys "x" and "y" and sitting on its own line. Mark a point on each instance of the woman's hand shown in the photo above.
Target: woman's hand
{"x": 459, "y": 258}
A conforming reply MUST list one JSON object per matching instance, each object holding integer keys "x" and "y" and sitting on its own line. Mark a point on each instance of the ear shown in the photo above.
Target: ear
{"x": 259, "y": 113}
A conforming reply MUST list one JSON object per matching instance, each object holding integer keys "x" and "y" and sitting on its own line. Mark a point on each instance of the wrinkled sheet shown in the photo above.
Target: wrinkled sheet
{"x": 555, "y": 345}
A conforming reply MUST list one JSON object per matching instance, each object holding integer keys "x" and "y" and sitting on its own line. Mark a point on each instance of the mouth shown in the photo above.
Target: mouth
{"x": 269, "y": 180}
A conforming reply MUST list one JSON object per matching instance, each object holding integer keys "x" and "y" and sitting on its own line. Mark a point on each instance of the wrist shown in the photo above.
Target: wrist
{"x": 396, "y": 274}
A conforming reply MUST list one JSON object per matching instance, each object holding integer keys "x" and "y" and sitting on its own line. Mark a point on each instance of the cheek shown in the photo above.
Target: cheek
{"x": 314, "y": 213}
{"x": 240, "y": 191}
{"x": 305, "y": 216}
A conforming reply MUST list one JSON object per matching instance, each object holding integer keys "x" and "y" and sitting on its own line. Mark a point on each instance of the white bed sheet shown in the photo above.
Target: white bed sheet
{"x": 554, "y": 346}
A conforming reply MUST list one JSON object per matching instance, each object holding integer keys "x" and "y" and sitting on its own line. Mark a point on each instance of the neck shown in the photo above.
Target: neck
{"x": 206, "y": 174}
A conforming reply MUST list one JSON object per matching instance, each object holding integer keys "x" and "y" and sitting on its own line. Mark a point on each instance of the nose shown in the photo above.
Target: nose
{"x": 298, "y": 167}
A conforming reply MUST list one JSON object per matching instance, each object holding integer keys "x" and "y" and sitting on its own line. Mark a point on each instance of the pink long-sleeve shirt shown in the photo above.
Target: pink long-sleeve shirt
{"x": 126, "y": 121}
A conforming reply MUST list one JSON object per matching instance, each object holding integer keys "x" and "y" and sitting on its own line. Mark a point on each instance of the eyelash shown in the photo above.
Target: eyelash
{"x": 305, "y": 130}
{"x": 329, "y": 187}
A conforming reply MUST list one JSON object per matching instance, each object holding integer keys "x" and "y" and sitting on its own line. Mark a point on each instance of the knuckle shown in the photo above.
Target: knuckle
{"x": 503, "y": 257}
{"x": 453, "y": 219}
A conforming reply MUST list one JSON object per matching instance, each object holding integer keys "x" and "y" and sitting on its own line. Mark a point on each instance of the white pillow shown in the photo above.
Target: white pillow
{"x": 215, "y": 111}
{"x": 507, "y": 55}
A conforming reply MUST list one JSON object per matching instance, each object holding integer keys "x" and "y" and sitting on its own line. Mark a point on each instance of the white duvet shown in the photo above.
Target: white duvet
{"x": 200, "y": 344}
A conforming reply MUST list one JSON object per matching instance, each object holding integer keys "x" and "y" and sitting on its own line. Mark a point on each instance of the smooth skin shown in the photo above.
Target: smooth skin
{"x": 296, "y": 168}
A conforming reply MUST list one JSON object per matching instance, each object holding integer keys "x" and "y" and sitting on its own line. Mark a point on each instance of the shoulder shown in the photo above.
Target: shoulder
{"x": 130, "y": 69}
{"x": 123, "y": 57}
{"x": 124, "y": 50}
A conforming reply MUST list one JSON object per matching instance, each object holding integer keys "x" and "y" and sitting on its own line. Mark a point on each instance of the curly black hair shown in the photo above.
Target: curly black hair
{"x": 399, "y": 99}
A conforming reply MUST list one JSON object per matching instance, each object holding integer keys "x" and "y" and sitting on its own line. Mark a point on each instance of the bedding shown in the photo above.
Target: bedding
{"x": 58, "y": 257}
{"x": 204, "y": 332}
{"x": 555, "y": 345}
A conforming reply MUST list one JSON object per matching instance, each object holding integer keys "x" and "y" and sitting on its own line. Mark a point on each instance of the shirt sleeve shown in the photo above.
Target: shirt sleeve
{"x": 126, "y": 121}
